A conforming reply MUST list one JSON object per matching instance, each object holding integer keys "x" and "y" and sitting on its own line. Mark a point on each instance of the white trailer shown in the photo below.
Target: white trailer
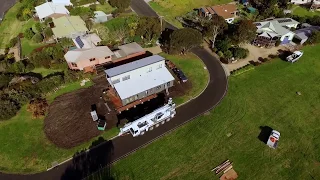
{"x": 150, "y": 121}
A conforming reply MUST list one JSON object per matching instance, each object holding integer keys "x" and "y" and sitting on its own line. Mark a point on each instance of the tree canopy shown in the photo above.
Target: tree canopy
{"x": 182, "y": 40}
{"x": 149, "y": 27}
{"x": 245, "y": 32}
{"x": 120, "y": 4}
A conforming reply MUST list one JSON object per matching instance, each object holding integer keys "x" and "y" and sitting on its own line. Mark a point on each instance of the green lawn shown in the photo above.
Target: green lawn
{"x": 10, "y": 27}
{"x": 171, "y": 9}
{"x": 301, "y": 11}
{"x": 44, "y": 71}
{"x": 24, "y": 146}
{"x": 28, "y": 46}
{"x": 105, "y": 8}
{"x": 265, "y": 96}
{"x": 193, "y": 68}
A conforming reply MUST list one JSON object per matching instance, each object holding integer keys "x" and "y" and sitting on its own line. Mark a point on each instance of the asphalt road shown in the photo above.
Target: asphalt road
{"x": 120, "y": 147}
{"x": 5, "y": 5}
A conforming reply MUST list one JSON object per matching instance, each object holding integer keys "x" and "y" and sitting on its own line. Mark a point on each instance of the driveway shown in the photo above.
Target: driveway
{"x": 120, "y": 147}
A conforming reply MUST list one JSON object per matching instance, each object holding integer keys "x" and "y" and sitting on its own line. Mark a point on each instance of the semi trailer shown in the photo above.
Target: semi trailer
{"x": 150, "y": 121}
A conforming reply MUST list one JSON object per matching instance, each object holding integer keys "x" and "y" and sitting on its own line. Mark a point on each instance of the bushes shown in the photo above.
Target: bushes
{"x": 240, "y": 53}
{"x": 82, "y": 2}
{"x": 38, "y": 107}
{"x": 48, "y": 32}
{"x": 28, "y": 33}
{"x": 13, "y": 42}
{"x": 314, "y": 38}
{"x": 8, "y": 109}
{"x": 48, "y": 84}
{"x": 37, "y": 38}
{"x": 242, "y": 70}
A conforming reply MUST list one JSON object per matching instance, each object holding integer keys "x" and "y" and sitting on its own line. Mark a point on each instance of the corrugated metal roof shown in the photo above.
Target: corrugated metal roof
{"x": 132, "y": 87}
{"x": 133, "y": 65}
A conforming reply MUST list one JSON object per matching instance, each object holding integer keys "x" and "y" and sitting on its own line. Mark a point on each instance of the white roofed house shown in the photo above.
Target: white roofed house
{"x": 139, "y": 79}
{"x": 50, "y": 9}
{"x": 63, "y": 2}
{"x": 269, "y": 32}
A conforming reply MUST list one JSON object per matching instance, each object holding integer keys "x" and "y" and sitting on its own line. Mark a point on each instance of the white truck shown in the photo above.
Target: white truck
{"x": 150, "y": 121}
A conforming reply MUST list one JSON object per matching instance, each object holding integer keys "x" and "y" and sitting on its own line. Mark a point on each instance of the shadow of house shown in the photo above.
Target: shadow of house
{"x": 85, "y": 163}
{"x": 164, "y": 39}
{"x": 264, "y": 133}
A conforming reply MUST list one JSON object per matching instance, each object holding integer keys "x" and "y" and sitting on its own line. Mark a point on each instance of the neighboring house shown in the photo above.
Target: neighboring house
{"x": 52, "y": 10}
{"x": 87, "y": 59}
{"x": 127, "y": 51}
{"x": 63, "y": 2}
{"x": 227, "y": 11}
{"x": 314, "y": 4}
{"x": 302, "y": 35}
{"x": 139, "y": 79}
{"x": 69, "y": 26}
{"x": 269, "y": 32}
{"x": 87, "y": 41}
{"x": 101, "y": 17}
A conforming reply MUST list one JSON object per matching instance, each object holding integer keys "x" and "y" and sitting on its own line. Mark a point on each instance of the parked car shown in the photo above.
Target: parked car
{"x": 180, "y": 75}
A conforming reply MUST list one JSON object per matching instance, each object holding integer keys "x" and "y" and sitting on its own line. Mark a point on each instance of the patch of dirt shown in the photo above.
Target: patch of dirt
{"x": 180, "y": 89}
{"x": 69, "y": 122}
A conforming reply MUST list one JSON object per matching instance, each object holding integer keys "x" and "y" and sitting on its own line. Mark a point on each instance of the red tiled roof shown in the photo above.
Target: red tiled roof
{"x": 225, "y": 10}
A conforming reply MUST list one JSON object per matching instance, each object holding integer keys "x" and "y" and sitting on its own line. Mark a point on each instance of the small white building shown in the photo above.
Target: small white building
{"x": 62, "y": 2}
{"x": 52, "y": 10}
{"x": 139, "y": 79}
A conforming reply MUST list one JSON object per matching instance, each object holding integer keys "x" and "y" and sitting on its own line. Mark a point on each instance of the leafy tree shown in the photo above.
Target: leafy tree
{"x": 5, "y": 80}
{"x": 38, "y": 107}
{"x": 17, "y": 67}
{"x": 314, "y": 38}
{"x": 41, "y": 59}
{"x": 48, "y": 32}
{"x": 89, "y": 23}
{"x": 149, "y": 28}
{"x": 37, "y": 38}
{"x": 28, "y": 33}
{"x": 245, "y": 32}
{"x": 227, "y": 54}
{"x": 215, "y": 27}
{"x": 48, "y": 20}
{"x": 29, "y": 67}
{"x": 240, "y": 53}
{"x": 120, "y": 4}
{"x": 102, "y": 2}
{"x": 48, "y": 84}
{"x": 8, "y": 109}
{"x": 182, "y": 40}
{"x": 13, "y": 42}
{"x": 65, "y": 42}
{"x": 223, "y": 44}
{"x": 38, "y": 27}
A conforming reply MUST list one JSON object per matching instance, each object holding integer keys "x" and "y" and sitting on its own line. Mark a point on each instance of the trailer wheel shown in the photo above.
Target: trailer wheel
{"x": 162, "y": 122}
{"x": 151, "y": 128}
{"x": 168, "y": 119}
{"x": 157, "y": 125}
{"x": 142, "y": 133}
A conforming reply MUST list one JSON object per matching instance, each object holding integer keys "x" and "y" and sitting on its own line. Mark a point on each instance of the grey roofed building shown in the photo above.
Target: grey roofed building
{"x": 304, "y": 33}
{"x": 101, "y": 17}
{"x": 133, "y": 65}
{"x": 131, "y": 48}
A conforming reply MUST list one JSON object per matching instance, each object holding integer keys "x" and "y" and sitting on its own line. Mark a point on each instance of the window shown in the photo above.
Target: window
{"x": 126, "y": 78}
{"x": 150, "y": 69}
{"x": 168, "y": 84}
{"x": 92, "y": 59}
{"x": 74, "y": 65}
{"x": 107, "y": 57}
{"x": 115, "y": 81}
{"x": 146, "y": 92}
{"x": 159, "y": 87}
{"x": 159, "y": 66}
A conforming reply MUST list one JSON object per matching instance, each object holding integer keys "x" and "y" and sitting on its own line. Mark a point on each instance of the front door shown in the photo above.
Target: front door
{"x": 285, "y": 40}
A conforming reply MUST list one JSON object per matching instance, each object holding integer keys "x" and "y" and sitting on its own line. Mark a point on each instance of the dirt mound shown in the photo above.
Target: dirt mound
{"x": 69, "y": 122}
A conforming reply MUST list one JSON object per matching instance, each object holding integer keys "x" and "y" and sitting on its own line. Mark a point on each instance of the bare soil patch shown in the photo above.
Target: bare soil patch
{"x": 69, "y": 122}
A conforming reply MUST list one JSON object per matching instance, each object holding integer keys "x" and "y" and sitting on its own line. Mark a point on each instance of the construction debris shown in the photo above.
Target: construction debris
{"x": 227, "y": 169}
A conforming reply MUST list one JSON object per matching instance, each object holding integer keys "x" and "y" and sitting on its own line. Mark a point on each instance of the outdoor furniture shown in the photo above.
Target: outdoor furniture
{"x": 101, "y": 124}
{"x": 94, "y": 115}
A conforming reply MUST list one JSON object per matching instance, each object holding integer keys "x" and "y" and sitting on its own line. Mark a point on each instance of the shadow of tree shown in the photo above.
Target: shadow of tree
{"x": 85, "y": 163}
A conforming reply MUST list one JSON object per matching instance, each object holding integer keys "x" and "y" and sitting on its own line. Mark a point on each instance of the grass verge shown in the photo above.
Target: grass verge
{"x": 302, "y": 11}
{"x": 171, "y": 9}
{"x": 263, "y": 97}
{"x": 193, "y": 67}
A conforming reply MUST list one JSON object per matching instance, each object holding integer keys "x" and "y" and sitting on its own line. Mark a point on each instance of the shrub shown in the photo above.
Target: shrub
{"x": 220, "y": 54}
{"x": 240, "y": 53}
{"x": 8, "y": 109}
{"x": 223, "y": 44}
{"x": 13, "y": 42}
{"x": 227, "y": 54}
{"x": 48, "y": 32}
{"x": 242, "y": 70}
{"x": 5, "y": 80}
{"x": 48, "y": 84}
{"x": 102, "y": 1}
{"x": 278, "y": 42}
{"x": 314, "y": 38}
{"x": 28, "y": 33}
{"x": 37, "y": 38}
{"x": 120, "y": 4}
{"x": 38, "y": 107}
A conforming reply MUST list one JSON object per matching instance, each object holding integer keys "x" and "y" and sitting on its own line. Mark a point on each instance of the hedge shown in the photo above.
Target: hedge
{"x": 242, "y": 70}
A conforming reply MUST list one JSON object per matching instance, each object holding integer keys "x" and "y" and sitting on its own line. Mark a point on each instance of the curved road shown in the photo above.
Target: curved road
{"x": 115, "y": 149}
